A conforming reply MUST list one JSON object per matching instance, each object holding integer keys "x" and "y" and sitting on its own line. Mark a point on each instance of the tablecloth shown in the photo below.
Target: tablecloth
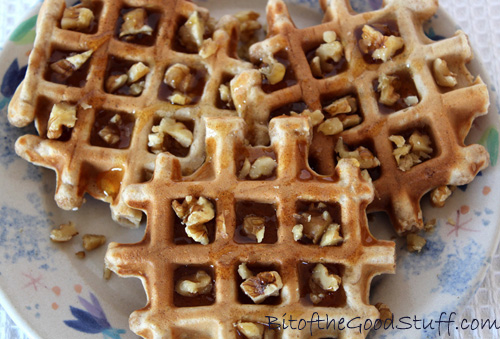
{"x": 480, "y": 19}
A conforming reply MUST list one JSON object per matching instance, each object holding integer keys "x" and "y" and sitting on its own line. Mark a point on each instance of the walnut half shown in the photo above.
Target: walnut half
{"x": 194, "y": 214}
{"x": 322, "y": 282}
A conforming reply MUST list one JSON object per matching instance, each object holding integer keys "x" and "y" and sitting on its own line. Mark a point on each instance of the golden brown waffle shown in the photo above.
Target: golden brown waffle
{"x": 82, "y": 163}
{"x": 158, "y": 257}
{"x": 445, "y": 114}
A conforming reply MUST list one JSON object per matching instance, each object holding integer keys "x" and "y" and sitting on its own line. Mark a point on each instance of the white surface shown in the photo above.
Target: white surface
{"x": 478, "y": 18}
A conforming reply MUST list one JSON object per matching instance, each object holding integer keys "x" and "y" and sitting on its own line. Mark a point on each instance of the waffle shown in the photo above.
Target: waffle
{"x": 86, "y": 161}
{"x": 157, "y": 259}
{"x": 434, "y": 100}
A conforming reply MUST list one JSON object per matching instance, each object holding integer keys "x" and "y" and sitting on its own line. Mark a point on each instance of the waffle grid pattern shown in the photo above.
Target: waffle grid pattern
{"x": 154, "y": 259}
{"x": 446, "y": 115}
{"x": 74, "y": 159}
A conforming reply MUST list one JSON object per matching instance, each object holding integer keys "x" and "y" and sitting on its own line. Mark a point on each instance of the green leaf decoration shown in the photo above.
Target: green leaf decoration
{"x": 490, "y": 141}
{"x": 23, "y": 30}
{"x": 3, "y": 102}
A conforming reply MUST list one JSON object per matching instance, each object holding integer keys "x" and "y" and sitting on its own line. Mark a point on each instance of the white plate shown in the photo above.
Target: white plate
{"x": 50, "y": 293}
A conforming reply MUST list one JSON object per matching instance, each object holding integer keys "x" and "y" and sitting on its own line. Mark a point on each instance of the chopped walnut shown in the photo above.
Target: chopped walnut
{"x": 178, "y": 98}
{"x": 70, "y": 64}
{"x": 262, "y": 286}
{"x": 192, "y": 32}
{"x": 444, "y": 77}
{"x": 262, "y": 167}
{"x": 110, "y": 135}
{"x": 388, "y": 95}
{"x": 134, "y": 23}
{"x": 349, "y": 121}
{"x": 274, "y": 71}
{"x": 346, "y": 104}
{"x": 175, "y": 129}
{"x": 365, "y": 158}
{"x": 413, "y": 152}
{"x": 430, "y": 225}
{"x": 62, "y": 114}
{"x": 439, "y": 196}
{"x": 316, "y": 225}
{"x": 77, "y": 18}
{"x": 384, "y": 310}
{"x": 106, "y": 273}
{"x": 244, "y": 272}
{"x": 93, "y": 241}
{"x": 322, "y": 282}
{"x": 136, "y": 72}
{"x": 331, "y": 50}
{"x": 250, "y": 330}
{"x": 298, "y": 232}
{"x": 179, "y": 77}
{"x": 332, "y": 236}
{"x": 414, "y": 242}
{"x": 225, "y": 94}
{"x": 331, "y": 126}
{"x": 315, "y": 116}
{"x": 194, "y": 213}
{"x": 115, "y": 82}
{"x": 380, "y": 46}
{"x": 196, "y": 284}
{"x": 137, "y": 88}
{"x": 65, "y": 232}
{"x": 411, "y": 100}
{"x": 254, "y": 227}
{"x": 80, "y": 254}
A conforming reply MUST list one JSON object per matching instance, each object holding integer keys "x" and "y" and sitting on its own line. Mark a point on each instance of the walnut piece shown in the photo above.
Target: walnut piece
{"x": 298, "y": 232}
{"x": 331, "y": 126}
{"x": 262, "y": 286}
{"x": 321, "y": 282}
{"x": 365, "y": 158}
{"x": 317, "y": 225}
{"x": 262, "y": 167}
{"x": 77, "y": 18}
{"x": 380, "y": 46}
{"x": 249, "y": 31}
{"x": 439, "y": 196}
{"x": 192, "y": 32}
{"x": 62, "y": 114}
{"x": 430, "y": 225}
{"x": 115, "y": 82}
{"x": 316, "y": 116}
{"x": 80, "y": 254}
{"x": 250, "y": 330}
{"x": 175, "y": 129}
{"x": 332, "y": 236}
{"x": 346, "y": 104}
{"x": 70, "y": 64}
{"x": 444, "y": 77}
{"x": 384, "y": 310}
{"x": 388, "y": 95}
{"x": 106, "y": 273}
{"x": 136, "y": 72}
{"x": 179, "y": 77}
{"x": 193, "y": 285}
{"x": 414, "y": 242}
{"x": 274, "y": 71}
{"x": 413, "y": 152}
{"x": 225, "y": 94}
{"x": 110, "y": 135}
{"x": 93, "y": 241}
{"x": 244, "y": 271}
{"x": 254, "y": 227}
{"x": 194, "y": 214}
{"x": 134, "y": 23}
{"x": 65, "y": 232}
{"x": 411, "y": 100}
{"x": 331, "y": 50}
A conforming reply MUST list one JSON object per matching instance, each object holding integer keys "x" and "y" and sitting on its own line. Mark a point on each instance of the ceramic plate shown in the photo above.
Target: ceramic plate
{"x": 51, "y": 293}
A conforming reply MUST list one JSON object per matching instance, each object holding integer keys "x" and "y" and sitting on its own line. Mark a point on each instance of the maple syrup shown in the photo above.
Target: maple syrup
{"x": 252, "y": 208}
{"x": 123, "y": 129}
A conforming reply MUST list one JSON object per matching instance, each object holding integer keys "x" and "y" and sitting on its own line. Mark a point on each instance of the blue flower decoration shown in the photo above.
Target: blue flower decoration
{"x": 12, "y": 78}
{"x": 93, "y": 320}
